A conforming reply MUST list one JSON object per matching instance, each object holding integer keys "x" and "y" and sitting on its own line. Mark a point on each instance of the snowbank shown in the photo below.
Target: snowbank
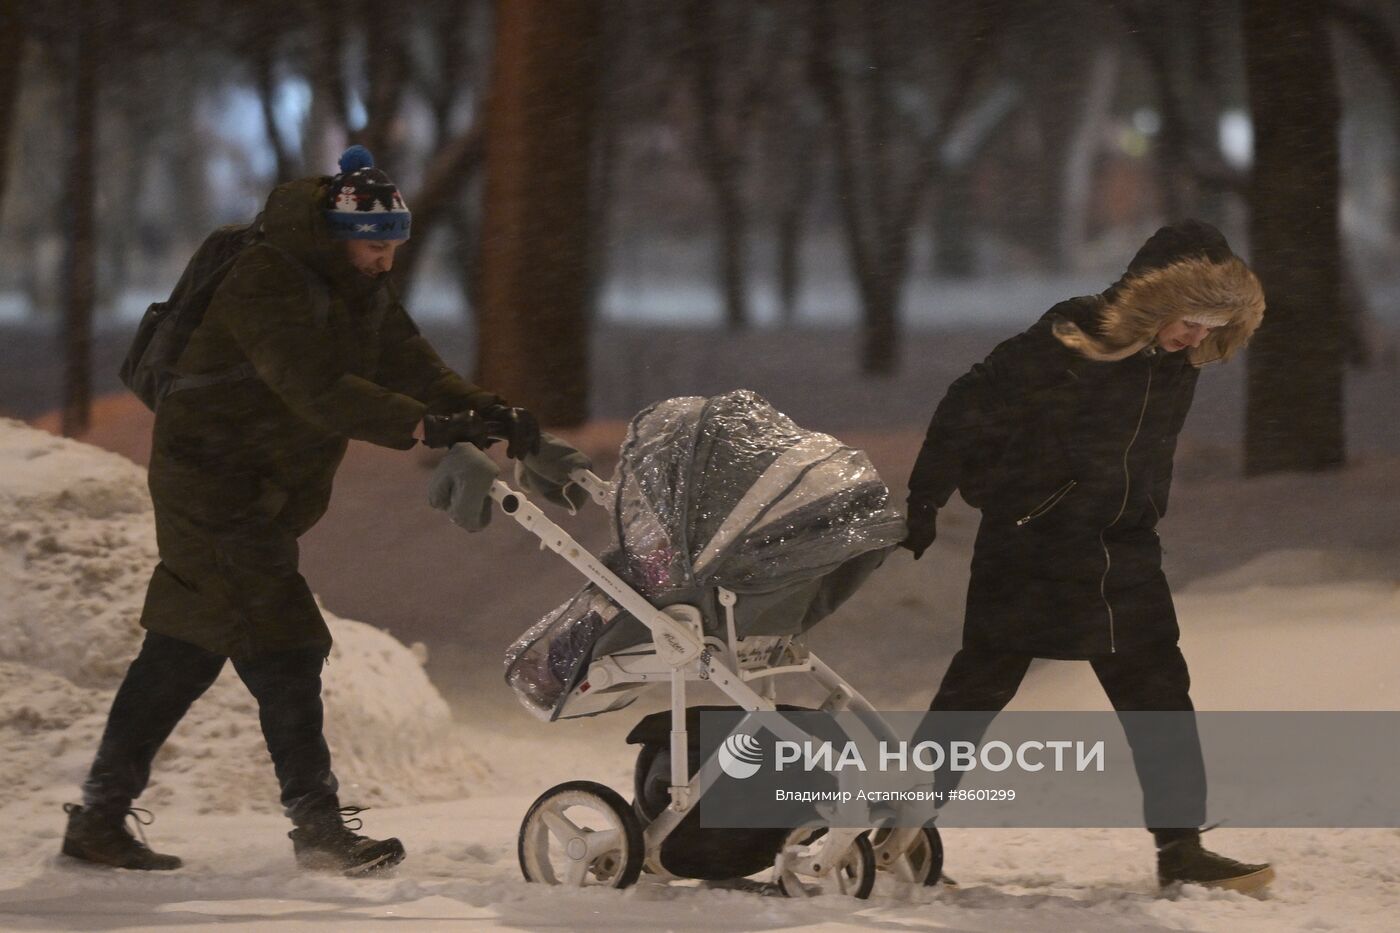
{"x": 77, "y": 544}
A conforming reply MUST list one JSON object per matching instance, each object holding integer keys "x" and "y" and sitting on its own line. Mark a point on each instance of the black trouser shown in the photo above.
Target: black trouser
{"x": 1148, "y": 679}
{"x": 164, "y": 681}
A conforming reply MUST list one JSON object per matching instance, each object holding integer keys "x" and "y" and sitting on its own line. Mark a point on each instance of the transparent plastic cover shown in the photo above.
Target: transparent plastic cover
{"x": 720, "y": 492}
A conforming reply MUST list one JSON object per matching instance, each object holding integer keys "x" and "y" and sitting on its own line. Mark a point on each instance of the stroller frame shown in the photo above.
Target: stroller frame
{"x": 684, "y": 653}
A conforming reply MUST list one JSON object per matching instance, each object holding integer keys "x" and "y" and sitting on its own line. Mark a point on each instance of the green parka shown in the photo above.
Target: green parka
{"x": 240, "y": 470}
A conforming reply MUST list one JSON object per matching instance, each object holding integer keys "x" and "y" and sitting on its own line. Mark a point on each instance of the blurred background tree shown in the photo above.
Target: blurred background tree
{"x": 533, "y": 344}
{"x": 636, "y": 185}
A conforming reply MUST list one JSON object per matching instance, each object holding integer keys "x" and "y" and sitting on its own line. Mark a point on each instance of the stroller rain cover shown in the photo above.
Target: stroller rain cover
{"x": 718, "y": 492}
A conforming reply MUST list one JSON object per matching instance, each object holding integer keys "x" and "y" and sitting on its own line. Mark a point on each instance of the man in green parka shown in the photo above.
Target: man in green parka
{"x": 303, "y": 347}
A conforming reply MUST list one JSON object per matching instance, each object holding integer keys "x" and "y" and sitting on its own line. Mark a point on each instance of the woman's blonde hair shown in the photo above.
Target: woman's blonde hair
{"x": 1141, "y": 305}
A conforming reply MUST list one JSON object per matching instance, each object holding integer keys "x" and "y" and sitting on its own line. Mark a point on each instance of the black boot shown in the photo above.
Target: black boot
{"x": 325, "y": 841}
{"x": 1183, "y": 860}
{"x": 101, "y": 836}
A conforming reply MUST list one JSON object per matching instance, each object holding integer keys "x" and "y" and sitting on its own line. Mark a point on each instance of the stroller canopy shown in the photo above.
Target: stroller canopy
{"x": 719, "y": 492}
{"x": 727, "y": 491}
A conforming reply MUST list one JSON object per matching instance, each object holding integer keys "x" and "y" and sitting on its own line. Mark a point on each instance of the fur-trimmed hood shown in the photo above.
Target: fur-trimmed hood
{"x": 1184, "y": 271}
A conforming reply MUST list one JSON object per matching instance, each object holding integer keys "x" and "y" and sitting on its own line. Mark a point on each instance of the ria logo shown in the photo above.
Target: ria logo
{"x": 740, "y": 756}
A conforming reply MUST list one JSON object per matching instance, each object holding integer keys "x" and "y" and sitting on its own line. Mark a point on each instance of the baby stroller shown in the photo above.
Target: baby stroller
{"x": 734, "y": 532}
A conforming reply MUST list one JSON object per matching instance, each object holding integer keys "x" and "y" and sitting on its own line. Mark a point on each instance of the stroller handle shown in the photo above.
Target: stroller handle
{"x": 598, "y": 489}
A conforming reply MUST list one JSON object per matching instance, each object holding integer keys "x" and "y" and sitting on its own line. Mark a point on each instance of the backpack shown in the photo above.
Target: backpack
{"x": 165, "y": 328}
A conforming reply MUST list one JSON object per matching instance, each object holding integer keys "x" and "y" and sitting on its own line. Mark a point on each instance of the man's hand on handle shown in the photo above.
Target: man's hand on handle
{"x": 465, "y": 427}
{"x": 520, "y": 429}
{"x": 516, "y": 426}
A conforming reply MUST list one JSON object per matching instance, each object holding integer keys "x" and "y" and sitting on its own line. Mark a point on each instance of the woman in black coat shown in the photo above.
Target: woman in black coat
{"x": 1064, "y": 437}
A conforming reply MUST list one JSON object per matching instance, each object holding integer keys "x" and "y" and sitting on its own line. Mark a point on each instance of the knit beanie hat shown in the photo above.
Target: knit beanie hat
{"x": 362, "y": 203}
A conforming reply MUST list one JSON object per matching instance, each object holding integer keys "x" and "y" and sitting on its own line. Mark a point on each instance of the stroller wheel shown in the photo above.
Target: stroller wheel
{"x": 853, "y": 875}
{"x": 581, "y": 833}
{"x": 920, "y": 862}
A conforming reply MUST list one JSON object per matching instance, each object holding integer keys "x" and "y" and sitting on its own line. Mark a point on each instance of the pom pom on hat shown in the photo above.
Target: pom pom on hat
{"x": 362, "y": 203}
{"x": 354, "y": 159}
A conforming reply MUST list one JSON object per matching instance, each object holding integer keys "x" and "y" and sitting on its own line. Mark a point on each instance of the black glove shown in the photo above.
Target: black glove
{"x": 923, "y": 528}
{"x": 464, "y": 427}
{"x": 521, "y": 430}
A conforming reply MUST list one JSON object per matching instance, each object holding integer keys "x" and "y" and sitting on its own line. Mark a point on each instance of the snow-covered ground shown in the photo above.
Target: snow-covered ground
{"x": 1294, "y": 628}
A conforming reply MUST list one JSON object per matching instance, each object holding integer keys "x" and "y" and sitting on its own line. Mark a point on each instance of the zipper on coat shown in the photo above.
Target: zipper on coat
{"x": 1127, "y": 483}
{"x": 1048, "y": 504}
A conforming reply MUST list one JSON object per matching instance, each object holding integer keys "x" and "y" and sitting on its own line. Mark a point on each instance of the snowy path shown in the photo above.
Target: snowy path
{"x": 1302, "y": 628}
{"x": 461, "y": 874}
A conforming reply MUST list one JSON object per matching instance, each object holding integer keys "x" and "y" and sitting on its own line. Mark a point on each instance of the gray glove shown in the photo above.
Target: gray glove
{"x": 546, "y": 473}
{"x": 461, "y": 486}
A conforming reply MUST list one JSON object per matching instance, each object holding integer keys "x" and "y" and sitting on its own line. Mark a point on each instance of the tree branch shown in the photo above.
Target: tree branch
{"x": 976, "y": 57}
{"x": 328, "y": 42}
{"x": 385, "y": 51}
{"x": 1371, "y": 31}
{"x": 449, "y": 171}
{"x": 260, "y": 59}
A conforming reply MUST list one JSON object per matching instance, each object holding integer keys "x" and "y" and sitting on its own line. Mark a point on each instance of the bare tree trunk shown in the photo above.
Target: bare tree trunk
{"x": 790, "y": 225}
{"x": 1370, "y": 29}
{"x": 533, "y": 322}
{"x": 117, "y": 250}
{"x": 330, "y": 105}
{"x": 1158, "y": 34}
{"x": 791, "y": 151}
{"x": 953, "y": 219}
{"x": 128, "y": 157}
{"x": 456, "y": 160}
{"x": 608, "y": 125}
{"x": 799, "y": 171}
{"x": 261, "y": 60}
{"x": 1294, "y": 415}
{"x": 1077, "y": 184}
{"x": 733, "y": 264}
{"x": 1213, "y": 21}
{"x": 721, "y": 164}
{"x": 12, "y": 39}
{"x": 464, "y": 230}
{"x": 1058, "y": 87}
{"x": 187, "y": 170}
{"x": 879, "y": 343}
{"x": 386, "y": 52}
{"x": 863, "y": 197}
{"x": 954, "y": 250}
{"x": 81, "y": 259}
{"x": 877, "y": 207}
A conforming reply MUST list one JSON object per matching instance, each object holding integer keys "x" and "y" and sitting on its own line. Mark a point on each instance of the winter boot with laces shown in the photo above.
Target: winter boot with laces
{"x": 1183, "y": 860}
{"x": 101, "y": 837}
{"x": 327, "y": 842}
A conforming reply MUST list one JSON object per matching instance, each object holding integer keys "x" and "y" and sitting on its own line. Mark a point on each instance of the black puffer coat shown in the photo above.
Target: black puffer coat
{"x": 1069, "y": 458}
{"x": 1070, "y": 461}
